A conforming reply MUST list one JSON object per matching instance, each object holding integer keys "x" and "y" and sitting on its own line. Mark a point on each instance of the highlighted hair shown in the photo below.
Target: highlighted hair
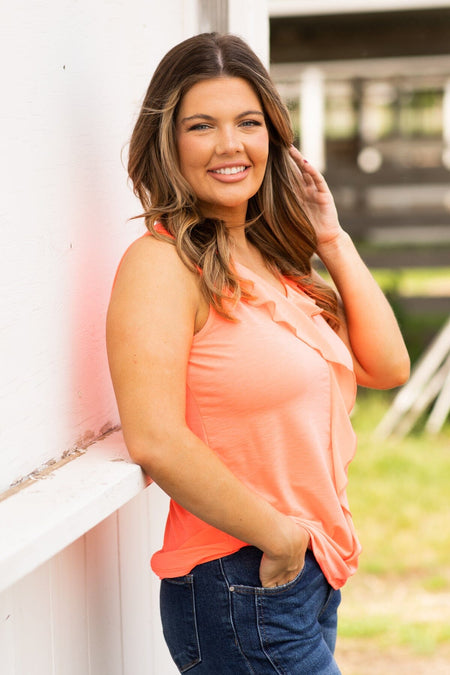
{"x": 276, "y": 221}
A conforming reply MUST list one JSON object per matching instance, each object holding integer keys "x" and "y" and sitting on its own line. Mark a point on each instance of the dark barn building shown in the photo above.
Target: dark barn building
{"x": 369, "y": 95}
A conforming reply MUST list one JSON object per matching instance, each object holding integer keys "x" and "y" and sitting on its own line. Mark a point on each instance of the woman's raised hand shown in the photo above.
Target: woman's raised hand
{"x": 318, "y": 201}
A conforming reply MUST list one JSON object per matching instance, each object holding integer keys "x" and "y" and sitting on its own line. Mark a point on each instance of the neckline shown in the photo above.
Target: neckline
{"x": 284, "y": 295}
{"x": 293, "y": 292}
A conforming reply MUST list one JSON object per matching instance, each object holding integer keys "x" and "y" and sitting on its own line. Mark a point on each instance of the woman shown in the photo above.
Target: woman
{"x": 234, "y": 366}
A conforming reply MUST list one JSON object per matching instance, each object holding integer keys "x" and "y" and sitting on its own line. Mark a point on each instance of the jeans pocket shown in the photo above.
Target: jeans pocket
{"x": 178, "y": 616}
{"x": 282, "y": 589}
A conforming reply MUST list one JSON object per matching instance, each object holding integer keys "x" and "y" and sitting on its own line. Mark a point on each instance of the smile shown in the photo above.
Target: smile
{"x": 228, "y": 171}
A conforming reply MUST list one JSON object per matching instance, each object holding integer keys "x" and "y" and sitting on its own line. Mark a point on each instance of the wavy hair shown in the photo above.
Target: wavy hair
{"x": 276, "y": 221}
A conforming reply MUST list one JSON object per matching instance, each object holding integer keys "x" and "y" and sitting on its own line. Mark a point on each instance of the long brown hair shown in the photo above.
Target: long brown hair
{"x": 277, "y": 222}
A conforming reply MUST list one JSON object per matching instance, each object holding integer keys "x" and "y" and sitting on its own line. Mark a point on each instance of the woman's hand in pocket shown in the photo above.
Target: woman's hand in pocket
{"x": 278, "y": 569}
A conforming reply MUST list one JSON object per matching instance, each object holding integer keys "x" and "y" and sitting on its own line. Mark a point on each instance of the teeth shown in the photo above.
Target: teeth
{"x": 230, "y": 170}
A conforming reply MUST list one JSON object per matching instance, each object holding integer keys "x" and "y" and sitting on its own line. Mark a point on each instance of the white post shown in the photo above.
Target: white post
{"x": 312, "y": 116}
{"x": 250, "y": 20}
{"x": 190, "y": 17}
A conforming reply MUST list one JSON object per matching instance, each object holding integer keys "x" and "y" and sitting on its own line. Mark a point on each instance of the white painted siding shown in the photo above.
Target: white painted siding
{"x": 78, "y": 596}
{"x": 93, "y": 609}
{"x": 73, "y": 74}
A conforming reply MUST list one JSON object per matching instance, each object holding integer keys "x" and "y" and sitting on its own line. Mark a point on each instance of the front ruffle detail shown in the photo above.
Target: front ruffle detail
{"x": 299, "y": 314}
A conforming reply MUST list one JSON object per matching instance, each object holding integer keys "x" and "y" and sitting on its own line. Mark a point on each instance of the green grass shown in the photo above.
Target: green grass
{"x": 410, "y": 281}
{"x": 414, "y": 281}
{"x": 398, "y": 492}
{"x": 387, "y": 631}
{"x": 399, "y": 600}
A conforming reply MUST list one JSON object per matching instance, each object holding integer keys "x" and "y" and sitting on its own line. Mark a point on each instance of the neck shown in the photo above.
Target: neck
{"x": 238, "y": 240}
{"x": 244, "y": 252}
{"x": 234, "y": 218}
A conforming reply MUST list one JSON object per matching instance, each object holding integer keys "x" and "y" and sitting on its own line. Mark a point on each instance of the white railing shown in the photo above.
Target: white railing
{"x": 77, "y": 596}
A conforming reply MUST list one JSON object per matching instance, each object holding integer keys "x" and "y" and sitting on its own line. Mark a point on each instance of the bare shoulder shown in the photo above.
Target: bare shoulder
{"x": 149, "y": 329}
{"x": 152, "y": 286}
{"x": 150, "y": 260}
{"x": 151, "y": 267}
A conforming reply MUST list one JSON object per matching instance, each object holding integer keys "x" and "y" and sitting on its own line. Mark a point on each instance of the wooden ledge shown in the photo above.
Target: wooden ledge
{"x": 48, "y": 514}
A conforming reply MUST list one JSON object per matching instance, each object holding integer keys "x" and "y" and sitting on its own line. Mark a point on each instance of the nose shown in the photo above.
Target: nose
{"x": 229, "y": 141}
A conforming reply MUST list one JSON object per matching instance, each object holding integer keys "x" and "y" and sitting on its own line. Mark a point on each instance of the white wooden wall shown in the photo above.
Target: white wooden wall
{"x": 77, "y": 596}
{"x": 72, "y": 76}
{"x": 93, "y": 608}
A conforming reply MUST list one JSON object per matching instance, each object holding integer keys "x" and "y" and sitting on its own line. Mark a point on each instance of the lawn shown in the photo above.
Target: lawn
{"x": 397, "y": 608}
{"x": 429, "y": 281}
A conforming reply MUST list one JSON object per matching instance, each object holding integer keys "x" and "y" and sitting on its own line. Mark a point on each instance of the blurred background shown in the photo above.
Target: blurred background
{"x": 367, "y": 85}
{"x": 369, "y": 96}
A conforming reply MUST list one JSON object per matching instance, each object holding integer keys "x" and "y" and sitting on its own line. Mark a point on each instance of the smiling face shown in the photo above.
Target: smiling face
{"x": 223, "y": 145}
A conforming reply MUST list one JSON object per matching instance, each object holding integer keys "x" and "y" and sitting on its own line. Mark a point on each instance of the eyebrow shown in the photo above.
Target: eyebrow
{"x": 210, "y": 118}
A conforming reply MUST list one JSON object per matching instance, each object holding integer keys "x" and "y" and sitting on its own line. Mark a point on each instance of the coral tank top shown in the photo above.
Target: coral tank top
{"x": 271, "y": 394}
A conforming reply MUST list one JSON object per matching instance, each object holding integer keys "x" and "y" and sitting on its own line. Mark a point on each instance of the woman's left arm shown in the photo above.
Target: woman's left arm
{"x": 368, "y": 327}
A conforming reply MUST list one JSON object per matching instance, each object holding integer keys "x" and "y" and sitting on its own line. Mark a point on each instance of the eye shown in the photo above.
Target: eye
{"x": 251, "y": 123}
{"x": 201, "y": 126}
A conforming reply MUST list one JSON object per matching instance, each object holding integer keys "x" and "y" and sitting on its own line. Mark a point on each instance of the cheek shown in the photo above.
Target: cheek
{"x": 262, "y": 150}
{"x": 183, "y": 155}
{"x": 263, "y": 159}
{"x": 191, "y": 156}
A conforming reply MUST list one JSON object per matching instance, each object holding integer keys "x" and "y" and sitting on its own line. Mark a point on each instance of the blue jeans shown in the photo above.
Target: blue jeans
{"x": 220, "y": 621}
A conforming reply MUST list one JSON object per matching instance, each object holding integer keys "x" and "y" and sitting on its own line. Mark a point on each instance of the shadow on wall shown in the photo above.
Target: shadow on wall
{"x": 97, "y": 229}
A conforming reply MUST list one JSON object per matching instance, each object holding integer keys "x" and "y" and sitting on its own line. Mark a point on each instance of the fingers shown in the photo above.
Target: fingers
{"x": 280, "y": 570}
{"x": 310, "y": 175}
{"x": 279, "y": 577}
{"x": 299, "y": 160}
{"x": 283, "y": 581}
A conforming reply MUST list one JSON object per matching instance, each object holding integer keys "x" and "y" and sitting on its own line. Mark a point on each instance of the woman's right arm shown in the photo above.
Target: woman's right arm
{"x": 150, "y": 324}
